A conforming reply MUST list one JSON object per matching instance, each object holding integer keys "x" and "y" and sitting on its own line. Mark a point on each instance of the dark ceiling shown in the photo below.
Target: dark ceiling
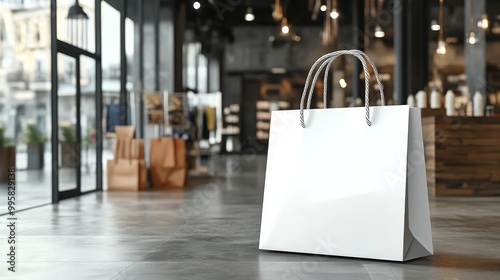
{"x": 225, "y": 14}
{"x": 298, "y": 12}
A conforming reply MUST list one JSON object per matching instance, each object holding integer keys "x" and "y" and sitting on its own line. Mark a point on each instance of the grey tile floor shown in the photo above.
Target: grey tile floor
{"x": 210, "y": 230}
{"x": 34, "y": 187}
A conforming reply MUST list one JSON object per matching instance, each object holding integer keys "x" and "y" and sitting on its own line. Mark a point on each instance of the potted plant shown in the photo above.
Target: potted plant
{"x": 36, "y": 143}
{"x": 7, "y": 155}
{"x": 69, "y": 148}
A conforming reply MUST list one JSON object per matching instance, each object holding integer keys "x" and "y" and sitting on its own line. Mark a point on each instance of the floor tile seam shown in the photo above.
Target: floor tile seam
{"x": 135, "y": 236}
{"x": 120, "y": 272}
{"x": 86, "y": 261}
{"x": 240, "y": 261}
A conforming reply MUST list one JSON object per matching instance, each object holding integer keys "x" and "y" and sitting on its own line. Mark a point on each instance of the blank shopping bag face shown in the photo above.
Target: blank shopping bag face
{"x": 338, "y": 186}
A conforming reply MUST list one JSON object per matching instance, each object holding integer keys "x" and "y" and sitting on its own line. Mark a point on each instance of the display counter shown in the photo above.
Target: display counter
{"x": 462, "y": 155}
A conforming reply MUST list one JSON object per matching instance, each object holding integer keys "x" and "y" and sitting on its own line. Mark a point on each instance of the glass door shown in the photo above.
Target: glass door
{"x": 76, "y": 98}
{"x": 77, "y": 124}
{"x": 88, "y": 124}
{"x": 68, "y": 95}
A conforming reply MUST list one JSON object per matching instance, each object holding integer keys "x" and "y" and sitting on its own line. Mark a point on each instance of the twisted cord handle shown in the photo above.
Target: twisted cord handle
{"x": 326, "y": 61}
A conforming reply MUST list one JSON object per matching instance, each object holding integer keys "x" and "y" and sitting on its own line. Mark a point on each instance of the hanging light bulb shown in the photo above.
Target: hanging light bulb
{"x": 284, "y": 26}
{"x": 483, "y": 22}
{"x": 196, "y": 5}
{"x": 285, "y": 29}
{"x": 323, "y": 8}
{"x": 472, "y": 35}
{"x": 249, "y": 16}
{"x": 334, "y": 14}
{"x": 472, "y": 38}
{"x": 441, "y": 49}
{"x": 379, "y": 33}
{"x": 342, "y": 83}
{"x": 435, "y": 25}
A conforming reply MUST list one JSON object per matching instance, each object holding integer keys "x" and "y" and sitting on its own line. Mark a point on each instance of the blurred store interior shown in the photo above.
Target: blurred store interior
{"x": 210, "y": 72}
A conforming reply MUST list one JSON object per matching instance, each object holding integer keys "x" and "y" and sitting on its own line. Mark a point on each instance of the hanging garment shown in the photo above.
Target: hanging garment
{"x": 112, "y": 117}
{"x": 210, "y": 111}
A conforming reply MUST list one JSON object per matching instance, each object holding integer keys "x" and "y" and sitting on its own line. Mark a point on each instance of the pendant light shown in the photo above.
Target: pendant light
{"x": 284, "y": 28}
{"x": 441, "y": 49}
{"x": 334, "y": 13}
{"x": 76, "y": 24}
{"x": 278, "y": 10}
{"x": 331, "y": 15}
{"x": 249, "y": 16}
{"x": 484, "y": 23}
{"x": 285, "y": 33}
{"x": 378, "y": 32}
{"x": 472, "y": 35}
{"x": 435, "y": 25}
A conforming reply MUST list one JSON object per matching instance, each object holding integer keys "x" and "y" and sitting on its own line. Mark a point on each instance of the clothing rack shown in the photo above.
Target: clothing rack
{"x": 202, "y": 146}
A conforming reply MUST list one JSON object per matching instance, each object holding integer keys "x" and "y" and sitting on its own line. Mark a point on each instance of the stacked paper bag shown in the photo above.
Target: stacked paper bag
{"x": 127, "y": 171}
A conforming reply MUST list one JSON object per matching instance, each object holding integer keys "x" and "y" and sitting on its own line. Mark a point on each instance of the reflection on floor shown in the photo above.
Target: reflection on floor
{"x": 210, "y": 230}
{"x": 34, "y": 187}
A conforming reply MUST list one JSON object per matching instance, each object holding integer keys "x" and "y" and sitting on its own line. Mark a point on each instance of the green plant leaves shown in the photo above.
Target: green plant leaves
{"x": 4, "y": 141}
{"x": 34, "y": 136}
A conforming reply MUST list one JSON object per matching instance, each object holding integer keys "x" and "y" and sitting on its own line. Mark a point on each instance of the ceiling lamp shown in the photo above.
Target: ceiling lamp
{"x": 329, "y": 26}
{"x": 472, "y": 35}
{"x": 342, "y": 83}
{"x": 76, "y": 24}
{"x": 379, "y": 33}
{"x": 249, "y": 16}
{"x": 472, "y": 38}
{"x": 334, "y": 14}
{"x": 284, "y": 28}
{"x": 76, "y": 12}
{"x": 196, "y": 5}
{"x": 435, "y": 25}
{"x": 483, "y": 22}
{"x": 285, "y": 33}
{"x": 441, "y": 49}
{"x": 323, "y": 8}
{"x": 278, "y": 10}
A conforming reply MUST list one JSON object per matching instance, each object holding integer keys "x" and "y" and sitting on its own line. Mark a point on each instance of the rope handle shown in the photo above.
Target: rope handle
{"x": 326, "y": 61}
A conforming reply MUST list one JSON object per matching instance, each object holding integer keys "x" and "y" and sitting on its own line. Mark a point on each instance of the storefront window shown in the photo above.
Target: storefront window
{"x": 110, "y": 18}
{"x": 88, "y": 123}
{"x": 76, "y": 23}
{"x": 25, "y": 97}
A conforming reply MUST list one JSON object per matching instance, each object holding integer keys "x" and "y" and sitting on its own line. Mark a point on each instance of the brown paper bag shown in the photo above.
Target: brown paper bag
{"x": 124, "y": 131}
{"x": 129, "y": 148}
{"x": 162, "y": 152}
{"x": 168, "y": 162}
{"x": 138, "y": 149}
{"x": 168, "y": 177}
{"x": 127, "y": 174}
{"x": 143, "y": 175}
{"x": 180, "y": 152}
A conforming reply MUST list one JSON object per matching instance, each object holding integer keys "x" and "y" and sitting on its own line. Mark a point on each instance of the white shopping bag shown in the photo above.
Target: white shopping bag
{"x": 347, "y": 181}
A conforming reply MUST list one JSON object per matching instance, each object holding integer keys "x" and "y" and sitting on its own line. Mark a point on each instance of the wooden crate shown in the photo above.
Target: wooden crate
{"x": 462, "y": 155}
